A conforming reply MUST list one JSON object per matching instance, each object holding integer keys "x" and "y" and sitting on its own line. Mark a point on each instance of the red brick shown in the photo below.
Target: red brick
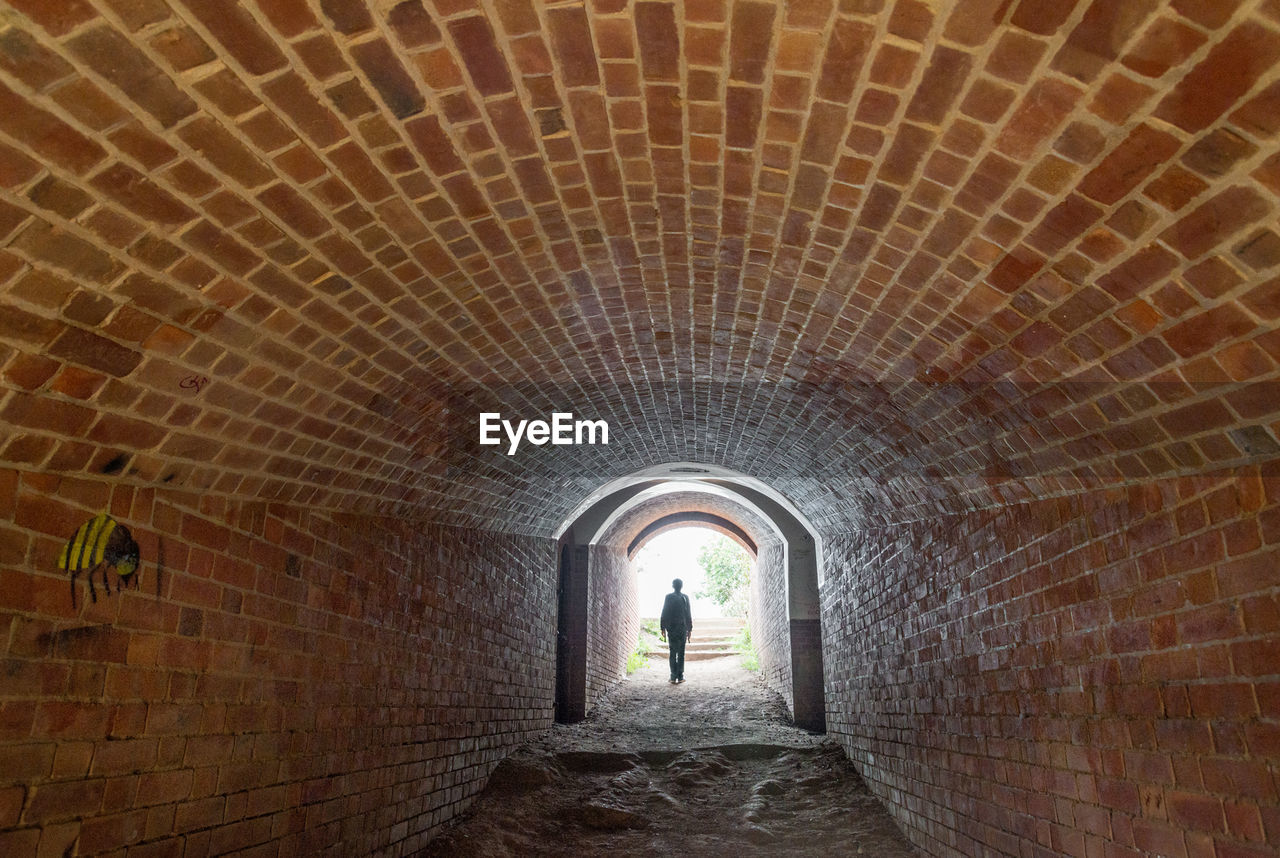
{"x": 1261, "y": 114}
{"x": 1195, "y": 812}
{"x": 1244, "y": 820}
{"x": 164, "y": 787}
{"x": 317, "y": 122}
{"x": 413, "y": 24}
{"x": 1215, "y": 221}
{"x": 52, "y": 802}
{"x": 47, "y": 134}
{"x": 1164, "y": 45}
{"x": 11, "y": 801}
{"x": 1137, "y": 274}
{"x": 58, "y": 18}
{"x": 124, "y": 757}
{"x": 289, "y": 17}
{"x": 750, "y": 33}
{"x": 16, "y": 168}
{"x": 743, "y": 113}
{"x": 1042, "y": 16}
{"x": 399, "y": 92}
{"x": 141, "y": 196}
{"x": 1214, "y": 85}
{"x": 231, "y": 25}
{"x": 182, "y": 48}
{"x": 226, "y": 152}
{"x": 847, "y": 50}
{"x": 1175, "y": 188}
{"x": 1097, "y": 40}
{"x": 1211, "y": 14}
{"x": 30, "y": 371}
{"x": 114, "y": 57}
{"x": 349, "y": 17}
{"x": 1128, "y": 165}
{"x": 659, "y": 40}
{"x": 975, "y": 23}
{"x": 1215, "y": 154}
{"x": 572, "y": 45}
{"x": 1207, "y": 330}
{"x": 942, "y": 84}
{"x": 20, "y": 842}
{"x": 29, "y": 61}
{"x": 1238, "y": 778}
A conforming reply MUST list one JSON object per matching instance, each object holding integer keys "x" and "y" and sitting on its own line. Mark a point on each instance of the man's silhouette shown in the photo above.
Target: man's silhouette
{"x": 677, "y": 624}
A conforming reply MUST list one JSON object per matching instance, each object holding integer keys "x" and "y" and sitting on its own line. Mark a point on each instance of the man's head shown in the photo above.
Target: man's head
{"x": 677, "y": 584}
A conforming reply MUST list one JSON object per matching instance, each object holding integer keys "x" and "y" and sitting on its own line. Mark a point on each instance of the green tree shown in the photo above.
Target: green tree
{"x": 728, "y": 570}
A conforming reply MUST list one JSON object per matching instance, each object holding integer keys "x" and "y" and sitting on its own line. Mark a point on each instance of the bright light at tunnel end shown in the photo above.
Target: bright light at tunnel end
{"x": 562, "y": 431}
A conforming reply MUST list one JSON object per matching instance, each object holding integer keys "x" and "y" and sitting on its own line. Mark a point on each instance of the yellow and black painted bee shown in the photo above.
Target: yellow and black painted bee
{"x": 101, "y": 544}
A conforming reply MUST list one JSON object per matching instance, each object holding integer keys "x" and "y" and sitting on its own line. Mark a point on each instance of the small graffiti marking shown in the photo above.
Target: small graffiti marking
{"x": 194, "y": 382}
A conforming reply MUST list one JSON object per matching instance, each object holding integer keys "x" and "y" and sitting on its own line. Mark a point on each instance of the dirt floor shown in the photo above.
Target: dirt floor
{"x": 710, "y": 767}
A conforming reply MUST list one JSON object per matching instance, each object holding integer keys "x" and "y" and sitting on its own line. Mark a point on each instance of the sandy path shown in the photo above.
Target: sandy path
{"x": 707, "y": 768}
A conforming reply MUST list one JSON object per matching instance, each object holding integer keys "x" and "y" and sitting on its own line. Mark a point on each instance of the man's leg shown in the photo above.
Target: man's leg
{"x": 677, "y": 655}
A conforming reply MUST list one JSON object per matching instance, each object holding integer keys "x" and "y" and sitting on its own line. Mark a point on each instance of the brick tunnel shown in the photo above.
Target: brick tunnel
{"x": 964, "y": 312}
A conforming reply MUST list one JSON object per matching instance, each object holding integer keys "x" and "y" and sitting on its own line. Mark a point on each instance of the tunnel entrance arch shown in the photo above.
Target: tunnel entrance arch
{"x": 801, "y": 559}
{"x": 675, "y": 520}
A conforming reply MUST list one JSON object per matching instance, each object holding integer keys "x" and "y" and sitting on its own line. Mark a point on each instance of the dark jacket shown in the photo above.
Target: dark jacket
{"x": 676, "y": 617}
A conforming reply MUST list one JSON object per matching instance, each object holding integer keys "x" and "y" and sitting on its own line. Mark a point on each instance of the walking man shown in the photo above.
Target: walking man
{"x": 677, "y": 627}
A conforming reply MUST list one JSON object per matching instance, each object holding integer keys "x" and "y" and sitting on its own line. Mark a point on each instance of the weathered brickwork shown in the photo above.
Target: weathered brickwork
{"x": 1090, "y": 676}
{"x": 770, "y": 628}
{"x": 981, "y": 285}
{"x": 309, "y": 683}
{"x": 613, "y": 618}
{"x": 804, "y": 239}
{"x": 634, "y": 522}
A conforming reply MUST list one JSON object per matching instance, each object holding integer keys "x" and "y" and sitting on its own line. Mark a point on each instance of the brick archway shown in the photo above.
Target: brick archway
{"x": 675, "y": 520}
{"x": 615, "y": 516}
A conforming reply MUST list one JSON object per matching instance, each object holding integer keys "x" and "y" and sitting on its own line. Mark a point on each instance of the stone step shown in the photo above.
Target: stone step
{"x": 695, "y": 649}
{"x": 712, "y": 638}
{"x": 697, "y": 645}
{"x": 711, "y": 622}
{"x": 690, "y": 655}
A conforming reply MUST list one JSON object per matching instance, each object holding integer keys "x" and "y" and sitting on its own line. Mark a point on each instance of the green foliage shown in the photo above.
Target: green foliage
{"x": 728, "y": 575}
{"x": 636, "y": 661}
{"x": 743, "y": 645}
{"x": 645, "y": 641}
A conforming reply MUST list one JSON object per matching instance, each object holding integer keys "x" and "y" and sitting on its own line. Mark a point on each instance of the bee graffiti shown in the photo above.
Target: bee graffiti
{"x": 100, "y": 545}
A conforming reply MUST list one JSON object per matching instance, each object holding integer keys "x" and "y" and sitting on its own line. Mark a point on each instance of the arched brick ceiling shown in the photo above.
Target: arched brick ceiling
{"x": 632, "y": 523}
{"x": 890, "y": 256}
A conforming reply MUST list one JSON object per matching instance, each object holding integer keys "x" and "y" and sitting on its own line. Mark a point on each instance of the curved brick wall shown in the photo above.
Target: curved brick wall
{"x": 988, "y": 289}
{"x": 300, "y": 680}
{"x": 1098, "y": 673}
{"x": 613, "y": 619}
{"x": 770, "y": 629}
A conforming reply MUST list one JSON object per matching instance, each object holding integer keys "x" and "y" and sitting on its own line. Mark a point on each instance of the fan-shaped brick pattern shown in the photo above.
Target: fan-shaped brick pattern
{"x": 912, "y": 223}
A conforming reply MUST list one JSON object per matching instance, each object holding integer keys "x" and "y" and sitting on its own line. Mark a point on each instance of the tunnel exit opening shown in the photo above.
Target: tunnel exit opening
{"x": 715, "y": 570}
{"x": 619, "y": 518}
